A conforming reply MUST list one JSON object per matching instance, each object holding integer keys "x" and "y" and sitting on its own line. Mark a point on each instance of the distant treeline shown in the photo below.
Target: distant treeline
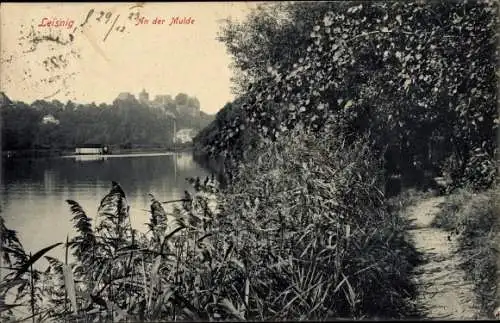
{"x": 125, "y": 124}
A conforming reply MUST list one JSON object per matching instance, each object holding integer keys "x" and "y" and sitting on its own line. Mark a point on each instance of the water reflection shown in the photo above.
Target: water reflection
{"x": 184, "y": 162}
{"x": 85, "y": 158}
{"x": 34, "y": 191}
{"x": 49, "y": 180}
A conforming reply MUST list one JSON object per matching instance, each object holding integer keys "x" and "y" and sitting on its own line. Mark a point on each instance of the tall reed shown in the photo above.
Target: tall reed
{"x": 303, "y": 232}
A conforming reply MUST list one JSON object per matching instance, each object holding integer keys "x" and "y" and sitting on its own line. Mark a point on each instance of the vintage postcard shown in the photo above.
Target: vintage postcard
{"x": 252, "y": 161}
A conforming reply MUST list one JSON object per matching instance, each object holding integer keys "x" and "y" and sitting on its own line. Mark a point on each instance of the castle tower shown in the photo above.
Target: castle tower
{"x": 144, "y": 97}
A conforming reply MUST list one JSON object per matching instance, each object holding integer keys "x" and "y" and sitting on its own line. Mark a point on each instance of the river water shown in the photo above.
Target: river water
{"x": 33, "y": 191}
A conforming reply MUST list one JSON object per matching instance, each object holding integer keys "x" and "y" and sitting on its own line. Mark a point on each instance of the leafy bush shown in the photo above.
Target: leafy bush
{"x": 416, "y": 76}
{"x": 222, "y": 132}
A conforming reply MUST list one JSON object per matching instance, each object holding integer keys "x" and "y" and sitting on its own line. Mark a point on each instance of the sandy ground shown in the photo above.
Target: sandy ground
{"x": 443, "y": 291}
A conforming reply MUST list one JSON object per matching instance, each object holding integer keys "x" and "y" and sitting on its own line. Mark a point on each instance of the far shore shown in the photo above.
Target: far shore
{"x": 27, "y": 153}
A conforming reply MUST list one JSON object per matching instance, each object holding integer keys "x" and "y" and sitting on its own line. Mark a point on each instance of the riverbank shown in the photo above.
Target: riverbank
{"x": 373, "y": 259}
{"x": 35, "y": 153}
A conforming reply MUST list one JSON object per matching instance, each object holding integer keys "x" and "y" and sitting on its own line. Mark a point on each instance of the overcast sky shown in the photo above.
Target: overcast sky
{"x": 162, "y": 59}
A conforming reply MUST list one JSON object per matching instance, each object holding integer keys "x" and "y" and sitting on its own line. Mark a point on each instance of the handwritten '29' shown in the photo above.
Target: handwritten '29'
{"x": 105, "y": 17}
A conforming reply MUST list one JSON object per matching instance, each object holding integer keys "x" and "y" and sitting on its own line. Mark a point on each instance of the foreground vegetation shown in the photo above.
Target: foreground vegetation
{"x": 337, "y": 99}
{"x": 416, "y": 79}
{"x": 473, "y": 218}
{"x": 303, "y": 233}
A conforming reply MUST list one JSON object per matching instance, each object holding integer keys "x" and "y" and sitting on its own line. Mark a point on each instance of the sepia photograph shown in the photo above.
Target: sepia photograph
{"x": 249, "y": 161}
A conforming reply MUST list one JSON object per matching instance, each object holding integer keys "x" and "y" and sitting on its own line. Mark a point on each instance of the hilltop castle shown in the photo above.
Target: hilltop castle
{"x": 183, "y": 104}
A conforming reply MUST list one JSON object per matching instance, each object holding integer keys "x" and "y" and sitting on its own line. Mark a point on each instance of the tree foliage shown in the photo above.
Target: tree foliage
{"x": 418, "y": 77}
{"x": 123, "y": 123}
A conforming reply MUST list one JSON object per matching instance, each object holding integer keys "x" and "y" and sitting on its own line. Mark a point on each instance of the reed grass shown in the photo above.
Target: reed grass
{"x": 303, "y": 232}
{"x": 313, "y": 211}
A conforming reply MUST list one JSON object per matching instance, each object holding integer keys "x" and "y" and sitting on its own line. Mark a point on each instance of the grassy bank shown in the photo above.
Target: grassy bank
{"x": 473, "y": 219}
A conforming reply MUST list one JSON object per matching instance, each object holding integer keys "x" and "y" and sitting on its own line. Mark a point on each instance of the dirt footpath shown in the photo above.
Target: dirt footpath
{"x": 443, "y": 291}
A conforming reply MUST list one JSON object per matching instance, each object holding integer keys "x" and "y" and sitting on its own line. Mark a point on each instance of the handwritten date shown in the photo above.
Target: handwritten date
{"x": 104, "y": 17}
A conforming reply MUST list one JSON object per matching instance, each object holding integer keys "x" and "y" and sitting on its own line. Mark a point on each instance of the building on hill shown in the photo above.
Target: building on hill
{"x": 144, "y": 97}
{"x": 185, "y": 135}
{"x": 124, "y": 96}
{"x": 49, "y": 119}
{"x": 161, "y": 101}
{"x": 191, "y": 106}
